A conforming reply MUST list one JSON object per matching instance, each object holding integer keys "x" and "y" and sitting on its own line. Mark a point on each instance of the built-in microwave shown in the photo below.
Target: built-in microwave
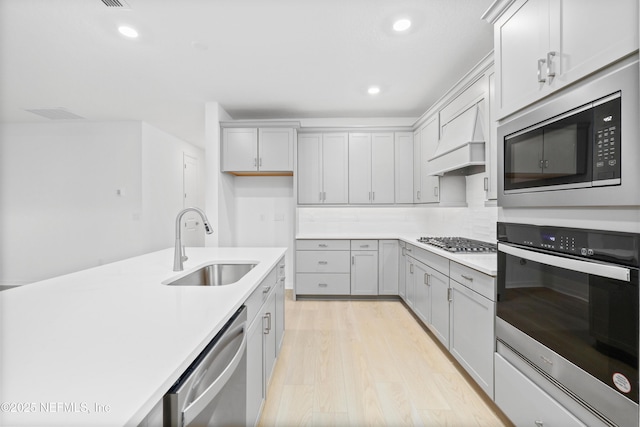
{"x": 578, "y": 148}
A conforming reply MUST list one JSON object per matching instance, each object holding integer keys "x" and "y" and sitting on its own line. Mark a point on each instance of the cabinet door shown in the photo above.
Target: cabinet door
{"x": 382, "y": 168}
{"x": 521, "y": 40}
{"x": 473, "y": 334}
{"x": 255, "y": 370}
{"x": 275, "y": 149}
{"x": 417, "y": 168}
{"x": 309, "y": 168}
{"x": 335, "y": 168}
{"x": 388, "y": 267}
{"x": 403, "y": 167}
{"x": 279, "y": 315}
{"x": 422, "y": 301}
{"x": 430, "y": 185}
{"x": 364, "y": 273}
{"x": 409, "y": 282}
{"x": 592, "y": 34}
{"x": 439, "y": 285}
{"x": 402, "y": 271}
{"x": 269, "y": 335}
{"x": 360, "y": 168}
{"x": 239, "y": 149}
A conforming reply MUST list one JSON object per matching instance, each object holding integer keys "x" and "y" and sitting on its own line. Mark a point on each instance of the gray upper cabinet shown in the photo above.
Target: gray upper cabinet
{"x": 323, "y": 168}
{"x": 544, "y": 45}
{"x": 426, "y": 187}
{"x": 255, "y": 150}
{"x": 371, "y": 168}
{"x": 403, "y": 167}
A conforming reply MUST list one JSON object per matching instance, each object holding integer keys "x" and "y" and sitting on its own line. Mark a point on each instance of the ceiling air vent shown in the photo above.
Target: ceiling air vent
{"x": 116, "y": 3}
{"x": 55, "y": 113}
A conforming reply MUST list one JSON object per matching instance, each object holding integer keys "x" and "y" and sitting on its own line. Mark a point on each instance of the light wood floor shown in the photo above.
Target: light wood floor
{"x": 367, "y": 363}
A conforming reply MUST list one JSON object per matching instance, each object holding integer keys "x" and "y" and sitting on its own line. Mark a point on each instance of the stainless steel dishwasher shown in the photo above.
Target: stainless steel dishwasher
{"x": 212, "y": 391}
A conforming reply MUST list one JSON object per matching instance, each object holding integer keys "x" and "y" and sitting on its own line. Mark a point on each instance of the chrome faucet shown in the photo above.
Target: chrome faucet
{"x": 179, "y": 256}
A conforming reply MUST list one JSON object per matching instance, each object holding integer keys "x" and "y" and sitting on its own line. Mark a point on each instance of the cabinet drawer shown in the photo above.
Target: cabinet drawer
{"x": 323, "y": 284}
{"x": 260, "y": 294}
{"x": 323, "y": 262}
{"x": 364, "y": 245}
{"x": 538, "y": 408}
{"x": 483, "y": 284}
{"x": 322, "y": 245}
{"x": 434, "y": 261}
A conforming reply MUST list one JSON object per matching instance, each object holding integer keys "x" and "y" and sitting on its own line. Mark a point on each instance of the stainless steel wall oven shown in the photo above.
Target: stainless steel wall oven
{"x": 568, "y": 306}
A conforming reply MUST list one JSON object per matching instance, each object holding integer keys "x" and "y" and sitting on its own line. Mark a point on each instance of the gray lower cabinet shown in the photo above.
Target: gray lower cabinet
{"x": 388, "y": 273}
{"x": 421, "y": 292}
{"x": 440, "y": 305}
{"x": 265, "y": 310}
{"x": 409, "y": 282}
{"x": 364, "y": 272}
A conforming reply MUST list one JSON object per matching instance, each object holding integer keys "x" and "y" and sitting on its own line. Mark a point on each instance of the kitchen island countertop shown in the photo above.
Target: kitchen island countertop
{"x": 103, "y": 345}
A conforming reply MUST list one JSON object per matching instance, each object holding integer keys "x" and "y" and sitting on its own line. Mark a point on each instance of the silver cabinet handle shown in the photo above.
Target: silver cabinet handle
{"x": 265, "y": 329}
{"x": 435, "y": 191}
{"x": 550, "y": 71}
{"x": 373, "y": 196}
{"x": 364, "y": 246}
{"x": 411, "y": 268}
{"x": 418, "y": 194}
{"x": 603, "y": 270}
{"x": 260, "y": 162}
{"x": 538, "y": 423}
{"x": 324, "y": 196}
{"x": 540, "y": 78}
{"x": 322, "y": 262}
{"x": 255, "y": 162}
{"x": 426, "y": 279}
{"x": 322, "y": 245}
{"x": 322, "y": 285}
{"x": 486, "y": 184}
{"x": 353, "y": 260}
{"x": 449, "y": 295}
{"x": 266, "y": 289}
{"x": 467, "y": 277}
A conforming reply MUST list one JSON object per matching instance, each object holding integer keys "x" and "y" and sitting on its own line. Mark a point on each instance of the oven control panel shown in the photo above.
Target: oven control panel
{"x": 610, "y": 246}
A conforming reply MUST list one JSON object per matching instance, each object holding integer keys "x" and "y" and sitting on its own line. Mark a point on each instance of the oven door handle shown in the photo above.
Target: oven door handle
{"x": 603, "y": 270}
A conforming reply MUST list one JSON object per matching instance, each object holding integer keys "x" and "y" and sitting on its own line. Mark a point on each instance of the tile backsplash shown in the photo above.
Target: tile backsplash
{"x": 475, "y": 221}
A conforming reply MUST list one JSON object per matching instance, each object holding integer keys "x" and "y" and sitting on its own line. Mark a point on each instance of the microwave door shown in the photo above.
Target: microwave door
{"x": 560, "y": 152}
{"x": 525, "y": 159}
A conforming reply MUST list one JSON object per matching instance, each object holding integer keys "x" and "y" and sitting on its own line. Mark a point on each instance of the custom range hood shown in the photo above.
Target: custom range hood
{"x": 460, "y": 150}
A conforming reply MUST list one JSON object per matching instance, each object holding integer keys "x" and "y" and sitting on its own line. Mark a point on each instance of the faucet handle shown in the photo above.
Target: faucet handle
{"x": 184, "y": 255}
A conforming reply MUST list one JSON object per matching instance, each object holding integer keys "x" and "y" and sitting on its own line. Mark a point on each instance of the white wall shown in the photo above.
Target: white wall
{"x": 264, "y": 208}
{"x": 60, "y": 210}
{"x": 162, "y": 187}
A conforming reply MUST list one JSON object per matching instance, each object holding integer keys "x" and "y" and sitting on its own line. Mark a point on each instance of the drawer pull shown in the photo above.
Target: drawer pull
{"x": 467, "y": 277}
{"x": 322, "y": 285}
{"x": 538, "y": 423}
{"x": 426, "y": 279}
{"x": 364, "y": 246}
{"x": 322, "y": 262}
{"x": 322, "y": 245}
{"x": 449, "y": 294}
{"x": 411, "y": 268}
{"x": 266, "y": 289}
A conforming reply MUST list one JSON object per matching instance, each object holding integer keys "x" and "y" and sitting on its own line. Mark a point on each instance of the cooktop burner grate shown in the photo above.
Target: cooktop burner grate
{"x": 459, "y": 244}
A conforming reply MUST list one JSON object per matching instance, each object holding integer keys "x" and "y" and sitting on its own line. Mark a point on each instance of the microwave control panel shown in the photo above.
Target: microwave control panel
{"x": 606, "y": 133}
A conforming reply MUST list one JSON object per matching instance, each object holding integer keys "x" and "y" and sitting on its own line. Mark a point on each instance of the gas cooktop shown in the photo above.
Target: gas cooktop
{"x": 459, "y": 244}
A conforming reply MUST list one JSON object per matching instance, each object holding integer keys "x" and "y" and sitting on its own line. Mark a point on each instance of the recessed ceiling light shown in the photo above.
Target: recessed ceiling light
{"x": 128, "y": 31}
{"x": 373, "y": 90}
{"x": 401, "y": 25}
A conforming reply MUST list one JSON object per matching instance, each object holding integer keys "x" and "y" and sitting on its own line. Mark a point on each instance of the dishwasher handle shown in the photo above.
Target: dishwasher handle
{"x": 199, "y": 403}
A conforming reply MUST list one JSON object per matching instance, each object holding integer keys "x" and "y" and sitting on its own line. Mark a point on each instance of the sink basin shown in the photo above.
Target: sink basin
{"x": 214, "y": 275}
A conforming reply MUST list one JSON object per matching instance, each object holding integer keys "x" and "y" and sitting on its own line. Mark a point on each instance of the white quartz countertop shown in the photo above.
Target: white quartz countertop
{"x": 100, "y": 347}
{"x": 485, "y": 263}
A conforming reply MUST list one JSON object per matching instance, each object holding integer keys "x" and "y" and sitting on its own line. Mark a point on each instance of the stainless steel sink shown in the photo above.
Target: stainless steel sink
{"x": 214, "y": 275}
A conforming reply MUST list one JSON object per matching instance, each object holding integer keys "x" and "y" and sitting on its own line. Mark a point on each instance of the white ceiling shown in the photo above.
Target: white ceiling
{"x": 257, "y": 58}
